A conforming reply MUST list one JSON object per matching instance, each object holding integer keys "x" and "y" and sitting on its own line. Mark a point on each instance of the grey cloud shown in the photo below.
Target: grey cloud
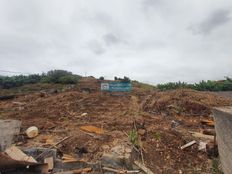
{"x": 111, "y": 39}
{"x": 150, "y": 3}
{"x": 216, "y": 19}
{"x": 146, "y": 40}
{"x": 96, "y": 47}
{"x": 103, "y": 18}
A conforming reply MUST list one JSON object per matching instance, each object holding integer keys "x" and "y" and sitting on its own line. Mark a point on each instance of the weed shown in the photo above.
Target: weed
{"x": 133, "y": 135}
{"x": 216, "y": 166}
{"x": 157, "y": 136}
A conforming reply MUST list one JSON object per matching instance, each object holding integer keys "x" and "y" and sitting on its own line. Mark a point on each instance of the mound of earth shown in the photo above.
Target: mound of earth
{"x": 183, "y": 102}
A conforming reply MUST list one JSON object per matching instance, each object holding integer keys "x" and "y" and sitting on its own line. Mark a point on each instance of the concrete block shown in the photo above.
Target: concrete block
{"x": 223, "y": 126}
{"x": 8, "y": 130}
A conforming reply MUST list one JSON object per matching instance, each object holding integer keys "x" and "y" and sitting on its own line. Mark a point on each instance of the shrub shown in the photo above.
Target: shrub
{"x": 223, "y": 85}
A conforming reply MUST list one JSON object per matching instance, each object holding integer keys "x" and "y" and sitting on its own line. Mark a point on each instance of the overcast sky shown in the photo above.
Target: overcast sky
{"x": 152, "y": 41}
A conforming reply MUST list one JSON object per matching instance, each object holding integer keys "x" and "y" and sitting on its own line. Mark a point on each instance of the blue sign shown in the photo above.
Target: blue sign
{"x": 116, "y": 86}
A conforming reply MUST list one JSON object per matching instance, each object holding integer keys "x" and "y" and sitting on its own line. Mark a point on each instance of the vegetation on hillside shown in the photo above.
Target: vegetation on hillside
{"x": 209, "y": 85}
{"x": 66, "y": 77}
{"x": 53, "y": 76}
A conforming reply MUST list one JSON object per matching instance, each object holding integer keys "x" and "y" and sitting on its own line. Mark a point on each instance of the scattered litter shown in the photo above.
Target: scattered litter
{"x": 188, "y": 144}
{"x": 32, "y": 132}
{"x": 202, "y": 146}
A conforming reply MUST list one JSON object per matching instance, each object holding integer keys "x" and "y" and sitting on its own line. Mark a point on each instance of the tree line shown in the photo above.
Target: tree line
{"x": 209, "y": 85}
{"x": 66, "y": 77}
{"x": 53, "y": 76}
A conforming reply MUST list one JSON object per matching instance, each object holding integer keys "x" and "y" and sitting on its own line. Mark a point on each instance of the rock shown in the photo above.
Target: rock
{"x": 84, "y": 114}
{"x": 32, "y": 132}
{"x": 119, "y": 157}
{"x": 175, "y": 124}
{"x": 112, "y": 160}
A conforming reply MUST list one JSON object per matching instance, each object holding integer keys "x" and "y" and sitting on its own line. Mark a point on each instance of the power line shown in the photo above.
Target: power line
{"x": 14, "y": 72}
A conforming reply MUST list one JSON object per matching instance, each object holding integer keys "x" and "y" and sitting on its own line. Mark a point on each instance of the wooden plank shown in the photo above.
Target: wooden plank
{"x": 92, "y": 129}
{"x": 202, "y": 136}
{"x": 6, "y": 162}
{"x": 16, "y": 154}
{"x": 50, "y": 162}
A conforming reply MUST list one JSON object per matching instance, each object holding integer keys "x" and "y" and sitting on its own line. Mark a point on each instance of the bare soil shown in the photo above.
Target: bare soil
{"x": 60, "y": 115}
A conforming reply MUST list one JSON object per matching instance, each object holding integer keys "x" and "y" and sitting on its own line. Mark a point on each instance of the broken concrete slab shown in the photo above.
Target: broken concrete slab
{"x": 8, "y": 130}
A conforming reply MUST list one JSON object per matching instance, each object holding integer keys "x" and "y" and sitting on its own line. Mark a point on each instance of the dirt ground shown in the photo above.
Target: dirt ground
{"x": 227, "y": 94}
{"x": 165, "y": 117}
